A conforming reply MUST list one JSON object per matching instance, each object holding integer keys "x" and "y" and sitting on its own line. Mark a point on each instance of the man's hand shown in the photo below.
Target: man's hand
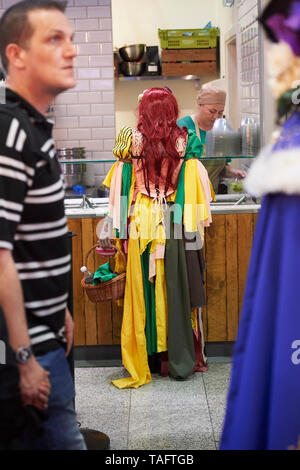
{"x": 34, "y": 381}
{"x": 69, "y": 329}
{"x": 34, "y": 384}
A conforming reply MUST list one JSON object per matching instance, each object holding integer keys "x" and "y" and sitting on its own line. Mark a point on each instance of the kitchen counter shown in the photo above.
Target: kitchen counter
{"x": 227, "y": 251}
{"x": 73, "y": 210}
{"x": 234, "y": 209}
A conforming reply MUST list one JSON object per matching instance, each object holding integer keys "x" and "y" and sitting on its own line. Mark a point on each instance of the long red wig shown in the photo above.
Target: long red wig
{"x": 158, "y": 113}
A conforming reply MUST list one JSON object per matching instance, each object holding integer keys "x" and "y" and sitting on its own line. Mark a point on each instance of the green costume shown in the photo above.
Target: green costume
{"x": 215, "y": 168}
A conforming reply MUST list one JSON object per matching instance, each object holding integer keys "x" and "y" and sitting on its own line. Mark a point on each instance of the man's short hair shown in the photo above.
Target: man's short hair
{"x": 15, "y": 27}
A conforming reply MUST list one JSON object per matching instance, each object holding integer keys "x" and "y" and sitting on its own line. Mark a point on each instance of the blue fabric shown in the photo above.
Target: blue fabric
{"x": 61, "y": 429}
{"x": 290, "y": 134}
{"x": 263, "y": 408}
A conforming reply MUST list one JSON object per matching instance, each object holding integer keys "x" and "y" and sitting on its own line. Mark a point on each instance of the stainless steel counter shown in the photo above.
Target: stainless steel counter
{"x": 223, "y": 205}
{"x": 73, "y": 209}
{"x": 233, "y": 209}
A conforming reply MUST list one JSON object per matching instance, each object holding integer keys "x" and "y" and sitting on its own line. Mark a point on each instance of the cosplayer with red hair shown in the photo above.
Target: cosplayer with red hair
{"x": 158, "y": 207}
{"x": 158, "y": 113}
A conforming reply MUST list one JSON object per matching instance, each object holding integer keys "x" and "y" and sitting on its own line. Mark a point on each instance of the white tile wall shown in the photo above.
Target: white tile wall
{"x": 249, "y": 66}
{"x": 85, "y": 115}
{"x": 249, "y": 58}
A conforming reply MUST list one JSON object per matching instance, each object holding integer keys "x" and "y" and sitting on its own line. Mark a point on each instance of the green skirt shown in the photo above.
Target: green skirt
{"x": 181, "y": 352}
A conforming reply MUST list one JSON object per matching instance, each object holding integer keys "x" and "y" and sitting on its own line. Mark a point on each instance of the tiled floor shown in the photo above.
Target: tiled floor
{"x": 164, "y": 414}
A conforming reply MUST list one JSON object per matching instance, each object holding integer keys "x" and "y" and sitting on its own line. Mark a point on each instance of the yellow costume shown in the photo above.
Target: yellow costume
{"x": 146, "y": 299}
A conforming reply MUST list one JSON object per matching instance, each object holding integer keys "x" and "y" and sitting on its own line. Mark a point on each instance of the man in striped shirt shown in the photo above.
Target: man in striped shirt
{"x": 37, "y": 52}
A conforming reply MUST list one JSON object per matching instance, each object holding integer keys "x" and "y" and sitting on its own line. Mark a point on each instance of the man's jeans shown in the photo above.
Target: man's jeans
{"x": 61, "y": 428}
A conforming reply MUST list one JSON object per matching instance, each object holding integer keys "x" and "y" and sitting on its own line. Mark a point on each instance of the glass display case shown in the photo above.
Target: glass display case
{"x": 79, "y": 180}
{"x": 86, "y": 196}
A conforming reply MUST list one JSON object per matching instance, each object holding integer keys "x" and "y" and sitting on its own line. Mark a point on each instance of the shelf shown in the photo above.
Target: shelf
{"x": 122, "y": 78}
{"x": 114, "y": 161}
{"x": 86, "y": 161}
{"x": 229, "y": 156}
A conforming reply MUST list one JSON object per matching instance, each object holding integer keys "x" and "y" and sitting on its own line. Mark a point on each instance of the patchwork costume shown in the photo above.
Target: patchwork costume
{"x": 165, "y": 263}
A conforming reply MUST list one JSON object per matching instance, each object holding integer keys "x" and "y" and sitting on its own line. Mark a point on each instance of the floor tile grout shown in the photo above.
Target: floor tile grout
{"x": 123, "y": 434}
{"x": 210, "y": 417}
{"x": 129, "y": 413}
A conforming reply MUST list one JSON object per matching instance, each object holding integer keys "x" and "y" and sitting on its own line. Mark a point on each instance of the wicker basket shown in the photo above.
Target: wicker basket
{"x": 105, "y": 291}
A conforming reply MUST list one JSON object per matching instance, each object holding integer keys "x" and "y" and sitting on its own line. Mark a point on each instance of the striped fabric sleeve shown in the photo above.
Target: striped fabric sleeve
{"x": 123, "y": 145}
{"x": 16, "y": 176}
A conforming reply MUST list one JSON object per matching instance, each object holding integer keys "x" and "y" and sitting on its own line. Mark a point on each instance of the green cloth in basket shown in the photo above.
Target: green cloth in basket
{"x": 103, "y": 274}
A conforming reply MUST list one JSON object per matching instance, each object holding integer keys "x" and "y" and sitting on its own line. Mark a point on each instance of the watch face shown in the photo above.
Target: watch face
{"x": 23, "y": 354}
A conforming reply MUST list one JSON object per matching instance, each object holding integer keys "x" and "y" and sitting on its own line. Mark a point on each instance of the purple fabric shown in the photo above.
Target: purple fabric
{"x": 263, "y": 406}
{"x": 290, "y": 134}
{"x": 287, "y": 29}
{"x": 293, "y": 21}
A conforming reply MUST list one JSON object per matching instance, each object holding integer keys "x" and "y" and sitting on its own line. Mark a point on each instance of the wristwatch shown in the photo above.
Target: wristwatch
{"x": 23, "y": 354}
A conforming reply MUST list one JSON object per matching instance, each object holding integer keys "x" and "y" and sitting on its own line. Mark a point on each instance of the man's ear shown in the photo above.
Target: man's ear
{"x": 15, "y": 55}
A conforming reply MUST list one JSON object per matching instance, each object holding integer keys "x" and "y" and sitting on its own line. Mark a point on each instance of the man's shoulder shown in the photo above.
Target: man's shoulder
{"x": 10, "y": 112}
{"x": 7, "y": 111}
{"x": 15, "y": 128}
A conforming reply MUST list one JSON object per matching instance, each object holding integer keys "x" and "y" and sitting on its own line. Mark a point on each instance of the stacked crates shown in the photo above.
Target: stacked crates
{"x": 189, "y": 52}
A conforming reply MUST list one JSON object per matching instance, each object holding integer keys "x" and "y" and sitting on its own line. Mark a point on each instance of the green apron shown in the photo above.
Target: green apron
{"x": 214, "y": 168}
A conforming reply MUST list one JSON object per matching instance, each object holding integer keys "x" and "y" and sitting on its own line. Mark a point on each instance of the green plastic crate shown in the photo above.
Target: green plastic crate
{"x": 188, "y": 38}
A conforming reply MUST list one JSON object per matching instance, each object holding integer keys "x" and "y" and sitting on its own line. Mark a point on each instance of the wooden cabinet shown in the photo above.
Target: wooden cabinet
{"x": 94, "y": 323}
{"x": 227, "y": 250}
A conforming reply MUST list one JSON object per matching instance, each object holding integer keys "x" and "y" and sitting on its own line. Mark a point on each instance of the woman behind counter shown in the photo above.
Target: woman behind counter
{"x": 158, "y": 169}
{"x": 210, "y": 106}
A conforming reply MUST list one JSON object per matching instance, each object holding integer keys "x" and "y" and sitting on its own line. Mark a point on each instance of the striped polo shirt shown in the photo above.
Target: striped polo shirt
{"x": 32, "y": 219}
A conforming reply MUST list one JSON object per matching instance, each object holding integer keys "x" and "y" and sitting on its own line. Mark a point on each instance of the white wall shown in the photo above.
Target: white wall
{"x": 269, "y": 102}
{"x": 138, "y": 21}
{"x": 85, "y": 115}
{"x": 126, "y": 94}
